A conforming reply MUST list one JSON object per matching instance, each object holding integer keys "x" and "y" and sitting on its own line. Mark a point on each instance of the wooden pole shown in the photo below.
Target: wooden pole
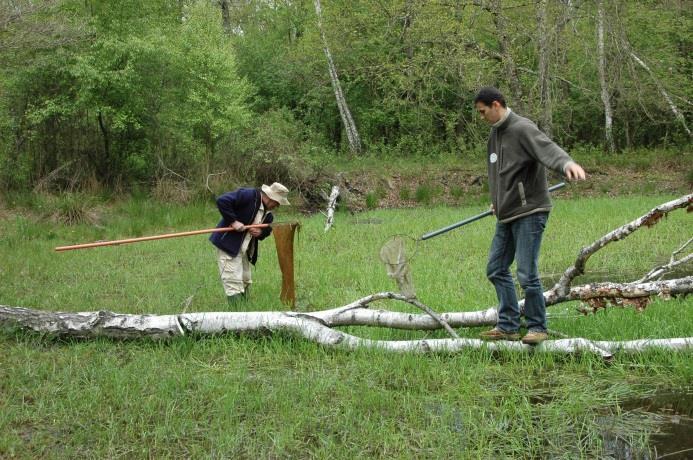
{"x": 154, "y": 237}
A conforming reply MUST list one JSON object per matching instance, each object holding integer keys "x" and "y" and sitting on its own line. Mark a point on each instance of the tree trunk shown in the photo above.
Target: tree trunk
{"x": 344, "y": 112}
{"x": 103, "y": 162}
{"x": 678, "y": 115}
{"x": 606, "y": 99}
{"x": 225, "y": 15}
{"x": 331, "y": 204}
{"x": 506, "y": 52}
{"x": 107, "y": 324}
{"x": 545, "y": 109}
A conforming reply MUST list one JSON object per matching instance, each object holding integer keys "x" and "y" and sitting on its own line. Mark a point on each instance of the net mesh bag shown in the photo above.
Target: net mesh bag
{"x": 284, "y": 241}
{"x": 394, "y": 255}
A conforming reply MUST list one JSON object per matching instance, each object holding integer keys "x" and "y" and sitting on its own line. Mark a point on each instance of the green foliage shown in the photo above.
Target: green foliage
{"x": 276, "y": 148}
{"x": 425, "y": 193}
{"x": 121, "y": 93}
{"x": 148, "y": 89}
{"x": 372, "y": 200}
{"x": 457, "y": 192}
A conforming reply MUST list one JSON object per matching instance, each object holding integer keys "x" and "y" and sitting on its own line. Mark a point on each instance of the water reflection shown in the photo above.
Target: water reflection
{"x": 668, "y": 416}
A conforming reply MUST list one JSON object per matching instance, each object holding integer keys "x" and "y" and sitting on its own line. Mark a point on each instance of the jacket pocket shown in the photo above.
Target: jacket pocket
{"x": 521, "y": 189}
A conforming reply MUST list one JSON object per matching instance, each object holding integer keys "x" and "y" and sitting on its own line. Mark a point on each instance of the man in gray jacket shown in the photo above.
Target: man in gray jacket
{"x": 518, "y": 155}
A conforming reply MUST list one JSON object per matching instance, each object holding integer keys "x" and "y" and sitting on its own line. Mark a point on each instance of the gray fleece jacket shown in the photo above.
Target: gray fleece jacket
{"x": 518, "y": 155}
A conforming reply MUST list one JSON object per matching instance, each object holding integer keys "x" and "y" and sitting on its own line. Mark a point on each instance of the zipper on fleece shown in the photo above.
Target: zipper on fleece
{"x": 521, "y": 189}
{"x": 499, "y": 148}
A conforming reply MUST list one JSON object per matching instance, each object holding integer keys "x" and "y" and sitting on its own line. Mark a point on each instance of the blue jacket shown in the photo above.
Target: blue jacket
{"x": 241, "y": 205}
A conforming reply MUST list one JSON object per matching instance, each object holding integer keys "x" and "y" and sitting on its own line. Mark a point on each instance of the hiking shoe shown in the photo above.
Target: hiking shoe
{"x": 534, "y": 337}
{"x": 497, "y": 334}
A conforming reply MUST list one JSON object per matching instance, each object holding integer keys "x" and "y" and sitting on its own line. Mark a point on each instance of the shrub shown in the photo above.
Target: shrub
{"x": 271, "y": 151}
{"x": 371, "y": 200}
{"x": 172, "y": 191}
{"x": 456, "y": 192}
{"x": 425, "y": 193}
{"x": 72, "y": 209}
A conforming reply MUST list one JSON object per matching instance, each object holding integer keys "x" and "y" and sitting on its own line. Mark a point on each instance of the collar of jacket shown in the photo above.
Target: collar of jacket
{"x": 503, "y": 123}
{"x": 258, "y": 200}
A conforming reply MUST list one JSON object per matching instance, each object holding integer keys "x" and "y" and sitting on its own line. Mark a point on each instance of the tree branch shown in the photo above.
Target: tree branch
{"x": 649, "y": 219}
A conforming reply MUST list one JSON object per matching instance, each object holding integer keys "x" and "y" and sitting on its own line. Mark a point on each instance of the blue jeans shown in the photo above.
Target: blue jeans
{"x": 521, "y": 240}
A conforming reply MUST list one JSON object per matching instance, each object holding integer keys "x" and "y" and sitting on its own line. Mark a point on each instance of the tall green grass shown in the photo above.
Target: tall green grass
{"x": 281, "y": 397}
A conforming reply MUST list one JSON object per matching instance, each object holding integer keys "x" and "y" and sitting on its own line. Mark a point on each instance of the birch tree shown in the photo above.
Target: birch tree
{"x": 344, "y": 112}
{"x": 606, "y": 99}
{"x": 672, "y": 106}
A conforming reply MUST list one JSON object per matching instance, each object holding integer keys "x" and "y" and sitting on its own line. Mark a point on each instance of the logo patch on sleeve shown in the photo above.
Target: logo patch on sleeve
{"x": 493, "y": 158}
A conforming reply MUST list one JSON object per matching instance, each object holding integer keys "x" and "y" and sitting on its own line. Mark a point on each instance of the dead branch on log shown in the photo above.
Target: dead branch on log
{"x": 649, "y": 219}
{"x": 331, "y": 203}
{"x": 659, "y": 272}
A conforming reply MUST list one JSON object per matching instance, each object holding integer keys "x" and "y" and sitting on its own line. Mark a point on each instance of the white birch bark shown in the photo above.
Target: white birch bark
{"x": 92, "y": 324}
{"x": 331, "y": 204}
{"x": 649, "y": 219}
{"x": 357, "y": 313}
{"x": 344, "y": 112}
{"x": 606, "y": 99}
{"x": 311, "y": 329}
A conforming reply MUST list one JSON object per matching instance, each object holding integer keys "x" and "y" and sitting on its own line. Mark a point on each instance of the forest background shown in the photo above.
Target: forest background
{"x": 127, "y": 95}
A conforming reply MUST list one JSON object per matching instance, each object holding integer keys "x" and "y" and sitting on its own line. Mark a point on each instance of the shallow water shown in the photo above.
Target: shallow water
{"x": 669, "y": 415}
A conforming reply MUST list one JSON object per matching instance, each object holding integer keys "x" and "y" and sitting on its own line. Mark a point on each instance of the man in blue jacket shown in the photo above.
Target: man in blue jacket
{"x": 236, "y": 250}
{"x": 518, "y": 156}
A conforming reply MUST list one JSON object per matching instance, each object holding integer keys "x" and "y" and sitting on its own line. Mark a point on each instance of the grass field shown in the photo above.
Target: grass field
{"x": 281, "y": 397}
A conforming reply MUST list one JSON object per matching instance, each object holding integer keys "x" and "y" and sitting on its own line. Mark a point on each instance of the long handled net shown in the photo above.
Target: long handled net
{"x": 284, "y": 241}
{"x": 396, "y": 254}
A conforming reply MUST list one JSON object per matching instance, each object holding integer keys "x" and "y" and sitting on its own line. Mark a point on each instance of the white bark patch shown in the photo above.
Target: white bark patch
{"x": 331, "y": 204}
{"x": 130, "y": 326}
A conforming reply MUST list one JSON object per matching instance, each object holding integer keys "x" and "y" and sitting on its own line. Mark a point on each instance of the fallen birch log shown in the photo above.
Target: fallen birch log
{"x": 357, "y": 313}
{"x": 114, "y": 325}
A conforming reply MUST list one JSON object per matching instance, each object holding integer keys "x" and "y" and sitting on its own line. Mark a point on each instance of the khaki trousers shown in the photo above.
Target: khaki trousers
{"x": 234, "y": 271}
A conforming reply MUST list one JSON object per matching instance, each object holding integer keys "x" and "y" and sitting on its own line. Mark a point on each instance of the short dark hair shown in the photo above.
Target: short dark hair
{"x": 488, "y": 94}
